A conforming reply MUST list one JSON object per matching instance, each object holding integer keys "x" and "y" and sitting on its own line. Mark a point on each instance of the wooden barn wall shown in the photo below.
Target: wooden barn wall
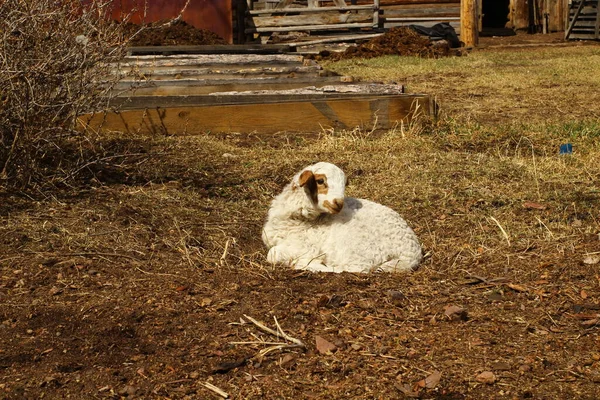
{"x": 554, "y": 10}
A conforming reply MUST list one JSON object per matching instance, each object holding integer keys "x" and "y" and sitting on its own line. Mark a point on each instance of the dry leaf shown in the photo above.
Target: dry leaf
{"x": 516, "y": 287}
{"x": 591, "y": 260}
{"x": 432, "y": 380}
{"x": 407, "y": 391}
{"x": 207, "y": 301}
{"x": 324, "y": 346}
{"x": 455, "y": 312}
{"x": 583, "y": 294}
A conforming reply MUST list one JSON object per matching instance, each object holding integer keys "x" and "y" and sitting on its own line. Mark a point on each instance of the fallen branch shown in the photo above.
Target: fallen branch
{"x": 273, "y": 346}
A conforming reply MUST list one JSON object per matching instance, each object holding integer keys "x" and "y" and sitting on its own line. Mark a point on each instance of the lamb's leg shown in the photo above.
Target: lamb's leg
{"x": 395, "y": 265}
{"x": 314, "y": 265}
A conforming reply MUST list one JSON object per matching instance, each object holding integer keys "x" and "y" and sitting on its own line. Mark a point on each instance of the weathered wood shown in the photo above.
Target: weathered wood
{"x": 292, "y": 116}
{"x": 433, "y": 10}
{"x": 336, "y": 38}
{"x": 210, "y": 49}
{"x": 322, "y": 18}
{"x": 207, "y": 86}
{"x": 469, "y": 33}
{"x": 312, "y": 10}
{"x": 211, "y": 73}
{"x": 421, "y": 19}
{"x": 284, "y": 3}
{"x": 574, "y": 19}
{"x": 311, "y": 27}
{"x": 213, "y": 60}
{"x": 597, "y": 27}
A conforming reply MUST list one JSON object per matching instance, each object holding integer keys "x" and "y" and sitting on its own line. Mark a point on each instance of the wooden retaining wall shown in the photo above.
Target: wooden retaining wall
{"x": 197, "y": 93}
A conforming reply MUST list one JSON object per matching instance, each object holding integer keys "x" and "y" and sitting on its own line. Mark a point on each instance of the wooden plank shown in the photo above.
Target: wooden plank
{"x": 336, "y": 38}
{"x": 213, "y": 49}
{"x": 208, "y": 86}
{"x": 340, "y": 3}
{"x": 422, "y": 19}
{"x": 322, "y": 18}
{"x": 310, "y": 28}
{"x": 311, "y": 10}
{"x": 284, "y": 3}
{"x": 212, "y": 60}
{"x": 294, "y": 116}
{"x": 418, "y": 11}
{"x": 225, "y": 73}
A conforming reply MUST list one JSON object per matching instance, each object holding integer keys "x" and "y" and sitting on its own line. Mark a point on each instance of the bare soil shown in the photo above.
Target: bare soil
{"x": 169, "y": 33}
{"x": 136, "y": 284}
{"x": 401, "y": 41}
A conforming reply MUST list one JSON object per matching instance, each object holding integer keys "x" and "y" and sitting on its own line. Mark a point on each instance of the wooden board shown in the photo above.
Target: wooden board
{"x": 322, "y": 18}
{"x": 194, "y": 94}
{"x": 195, "y": 87}
{"x": 269, "y": 115}
{"x": 210, "y": 49}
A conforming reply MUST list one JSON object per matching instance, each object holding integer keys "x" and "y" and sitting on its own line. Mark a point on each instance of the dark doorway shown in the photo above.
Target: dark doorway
{"x": 495, "y": 13}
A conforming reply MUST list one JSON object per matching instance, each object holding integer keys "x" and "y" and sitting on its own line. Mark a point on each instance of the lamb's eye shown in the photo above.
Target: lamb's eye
{"x": 320, "y": 181}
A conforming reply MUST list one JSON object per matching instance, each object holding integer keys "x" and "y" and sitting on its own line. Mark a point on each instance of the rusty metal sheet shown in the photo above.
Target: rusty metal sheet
{"x": 212, "y": 15}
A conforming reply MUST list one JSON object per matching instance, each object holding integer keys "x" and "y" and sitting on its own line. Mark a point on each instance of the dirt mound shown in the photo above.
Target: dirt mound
{"x": 402, "y": 41}
{"x": 169, "y": 33}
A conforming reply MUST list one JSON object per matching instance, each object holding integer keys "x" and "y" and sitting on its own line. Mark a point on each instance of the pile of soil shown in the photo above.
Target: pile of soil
{"x": 170, "y": 33}
{"x": 402, "y": 41}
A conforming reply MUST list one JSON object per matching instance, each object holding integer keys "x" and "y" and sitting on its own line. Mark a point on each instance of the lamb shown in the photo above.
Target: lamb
{"x": 311, "y": 225}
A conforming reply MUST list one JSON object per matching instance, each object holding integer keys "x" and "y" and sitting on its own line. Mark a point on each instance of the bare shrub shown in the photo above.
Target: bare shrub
{"x": 54, "y": 59}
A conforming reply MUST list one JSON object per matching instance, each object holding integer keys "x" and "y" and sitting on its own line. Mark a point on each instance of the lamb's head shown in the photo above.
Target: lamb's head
{"x": 324, "y": 184}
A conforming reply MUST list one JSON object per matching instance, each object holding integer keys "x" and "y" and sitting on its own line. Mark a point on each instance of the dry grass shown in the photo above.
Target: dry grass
{"x": 153, "y": 261}
{"x": 554, "y": 84}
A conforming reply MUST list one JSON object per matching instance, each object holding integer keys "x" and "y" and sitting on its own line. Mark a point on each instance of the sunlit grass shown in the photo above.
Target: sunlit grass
{"x": 548, "y": 85}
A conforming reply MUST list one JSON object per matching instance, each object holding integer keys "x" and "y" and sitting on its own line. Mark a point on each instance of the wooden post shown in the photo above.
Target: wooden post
{"x": 469, "y": 34}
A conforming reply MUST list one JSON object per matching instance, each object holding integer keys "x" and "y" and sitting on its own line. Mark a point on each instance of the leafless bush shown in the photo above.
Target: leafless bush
{"x": 53, "y": 67}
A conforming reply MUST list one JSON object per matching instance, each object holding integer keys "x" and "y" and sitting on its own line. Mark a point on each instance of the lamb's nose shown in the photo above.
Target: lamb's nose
{"x": 337, "y": 205}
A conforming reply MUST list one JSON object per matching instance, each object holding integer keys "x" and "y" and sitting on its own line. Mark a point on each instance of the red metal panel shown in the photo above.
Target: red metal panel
{"x": 212, "y": 15}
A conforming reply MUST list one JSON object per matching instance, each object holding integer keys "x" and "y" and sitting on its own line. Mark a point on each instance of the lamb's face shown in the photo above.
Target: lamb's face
{"x": 325, "y": 183}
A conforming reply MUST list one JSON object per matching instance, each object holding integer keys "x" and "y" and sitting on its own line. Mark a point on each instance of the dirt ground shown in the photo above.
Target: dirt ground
{"x": 168, "y": 33}
{"x": 138, "y": 283}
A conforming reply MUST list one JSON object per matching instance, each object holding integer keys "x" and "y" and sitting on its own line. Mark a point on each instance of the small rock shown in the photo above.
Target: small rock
{"x": 487, "y": 377}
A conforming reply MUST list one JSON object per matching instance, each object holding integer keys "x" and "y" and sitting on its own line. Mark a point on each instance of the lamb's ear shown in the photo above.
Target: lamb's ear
{"x": 305, "y": 177}
{"x": 307, "y": 180}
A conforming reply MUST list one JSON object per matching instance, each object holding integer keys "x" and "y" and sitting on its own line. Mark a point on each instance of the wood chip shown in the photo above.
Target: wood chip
{"x": 433, "y": 380}
{"x": 517, "y": 288}
{"x": 487, "y": 377}
{"x": 531, "y": 205}
{"x": 324, "y": 346}
{"x": 591, "y": 260}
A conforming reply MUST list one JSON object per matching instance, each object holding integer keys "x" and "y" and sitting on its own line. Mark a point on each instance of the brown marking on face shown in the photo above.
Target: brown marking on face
{"x": 307, "y": 179}
{"x": 335, "y": 206}
{"x": 321, "y": 181}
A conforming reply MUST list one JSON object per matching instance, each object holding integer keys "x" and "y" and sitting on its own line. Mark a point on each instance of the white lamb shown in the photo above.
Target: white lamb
{"x": 311, "y": 225}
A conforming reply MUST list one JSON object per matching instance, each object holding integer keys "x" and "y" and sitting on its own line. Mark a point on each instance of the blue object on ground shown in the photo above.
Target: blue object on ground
{"x": 566, "y": 148}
